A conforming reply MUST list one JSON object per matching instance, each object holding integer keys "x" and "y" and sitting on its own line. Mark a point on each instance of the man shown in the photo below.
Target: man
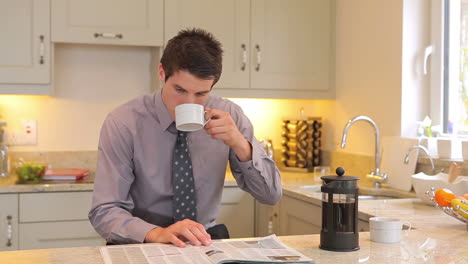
{"x": 134, "y": 200}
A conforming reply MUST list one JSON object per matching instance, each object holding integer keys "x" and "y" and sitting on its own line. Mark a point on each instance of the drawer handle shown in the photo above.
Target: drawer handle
{"x": 244, "y": 57}
{"x": 108, "y": 35}
{"x": 259, "y": 57}
{"x": 41, "y": 49}
{"x": 9, "y": 231}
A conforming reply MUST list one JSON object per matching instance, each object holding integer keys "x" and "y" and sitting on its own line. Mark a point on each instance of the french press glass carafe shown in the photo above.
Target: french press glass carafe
{"x": 339, "y": 212}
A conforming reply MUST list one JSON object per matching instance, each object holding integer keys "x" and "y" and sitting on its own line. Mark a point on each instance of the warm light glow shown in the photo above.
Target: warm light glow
{"x": 267, "y": 115}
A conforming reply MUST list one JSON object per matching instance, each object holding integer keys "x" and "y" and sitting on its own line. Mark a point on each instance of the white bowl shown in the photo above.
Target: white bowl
{"x": 423, "y": 182}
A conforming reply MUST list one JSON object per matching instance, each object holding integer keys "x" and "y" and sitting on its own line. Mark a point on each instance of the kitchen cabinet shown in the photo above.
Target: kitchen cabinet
{"x": 272, "y": 49}
{"x": 298, "y": 217}
{"x": 237, "y": 212}
{"x": 25, "y": 50}
{"x": 123, "y": 22}
{"x": 58, "y": 219}
{"x": 266, "y": 219}
{"x": 8, "y": 222}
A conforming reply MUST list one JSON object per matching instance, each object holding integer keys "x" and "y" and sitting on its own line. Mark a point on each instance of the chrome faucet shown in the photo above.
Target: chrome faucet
{"x": 425, "y": 151}
{"x": 376, "y": 176}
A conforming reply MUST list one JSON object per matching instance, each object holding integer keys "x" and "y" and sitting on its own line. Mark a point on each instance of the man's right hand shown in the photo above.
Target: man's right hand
{"x": 180, "y": 232}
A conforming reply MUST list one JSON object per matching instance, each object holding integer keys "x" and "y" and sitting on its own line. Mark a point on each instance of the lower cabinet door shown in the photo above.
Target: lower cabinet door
{"x": 237, "y": 212}
{"x": 298, "y": 217}
{"x": 8, "y": 222}
{"x": 58, "y": 235}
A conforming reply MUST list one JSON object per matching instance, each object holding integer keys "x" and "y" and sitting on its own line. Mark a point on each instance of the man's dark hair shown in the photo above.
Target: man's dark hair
{"x": 196, "y": 51}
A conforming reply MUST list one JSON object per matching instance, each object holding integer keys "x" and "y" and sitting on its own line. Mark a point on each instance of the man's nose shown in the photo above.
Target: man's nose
{"x": 190, "y": 99}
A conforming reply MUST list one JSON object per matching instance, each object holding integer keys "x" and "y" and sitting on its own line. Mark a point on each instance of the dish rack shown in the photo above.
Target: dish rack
{"x": 448, "y": 209}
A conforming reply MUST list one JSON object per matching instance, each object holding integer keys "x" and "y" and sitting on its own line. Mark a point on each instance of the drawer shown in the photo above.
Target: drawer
{"x": 58, "y": 206}
{"x": 58, "y": 234}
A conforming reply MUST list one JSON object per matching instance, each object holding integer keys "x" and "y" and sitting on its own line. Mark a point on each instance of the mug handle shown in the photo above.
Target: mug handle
{"x": 409, "y": 227}
{"x": 206, "y": 122}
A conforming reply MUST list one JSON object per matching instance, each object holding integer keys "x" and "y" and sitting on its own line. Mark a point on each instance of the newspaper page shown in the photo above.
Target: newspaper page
{"x": 262, "y": 250}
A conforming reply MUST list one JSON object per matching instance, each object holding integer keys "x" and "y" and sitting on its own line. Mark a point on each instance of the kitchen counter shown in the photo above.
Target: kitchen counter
{"x": 301, "y": 186}
{"x": 420, "y": 246}
{"x": 434, "y": 238}
{"x": 9, "y": 185}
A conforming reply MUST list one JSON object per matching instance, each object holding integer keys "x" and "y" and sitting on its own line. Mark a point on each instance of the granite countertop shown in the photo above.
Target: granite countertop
{"x": 10, "y": 185}
{"x": 420, "y": 246}
{"x": 434, "y": 238}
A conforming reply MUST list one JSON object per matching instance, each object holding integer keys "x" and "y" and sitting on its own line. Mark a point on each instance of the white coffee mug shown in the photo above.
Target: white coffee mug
{"x": 386, "y": 229}
{"x": 190, "y": 117}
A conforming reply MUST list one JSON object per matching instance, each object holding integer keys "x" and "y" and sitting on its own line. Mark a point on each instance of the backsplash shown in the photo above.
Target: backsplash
{"x": 354, "y": 164}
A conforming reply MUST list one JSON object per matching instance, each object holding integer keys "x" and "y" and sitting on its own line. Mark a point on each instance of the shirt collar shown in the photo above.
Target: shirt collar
{"x": 164, "y": 117}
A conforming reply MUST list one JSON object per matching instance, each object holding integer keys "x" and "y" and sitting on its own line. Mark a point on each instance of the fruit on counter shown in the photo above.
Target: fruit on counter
{"x": 460, "y": 206}
{"x": 30, "y": 172}
{"x": 465, "y": 196}
{"x": 443, "y": 197}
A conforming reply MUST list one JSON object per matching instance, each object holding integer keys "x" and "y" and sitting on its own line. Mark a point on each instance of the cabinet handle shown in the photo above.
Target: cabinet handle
{"x": 108, "y": 35}
{"x": 41, "y": 49}
{"x": 244, "y": 57}
{"x": 259, "y": 57}
{"x": 9, "y": 231}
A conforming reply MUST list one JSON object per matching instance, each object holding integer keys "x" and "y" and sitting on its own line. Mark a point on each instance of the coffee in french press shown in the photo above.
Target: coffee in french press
{"x": 339, "y": 212}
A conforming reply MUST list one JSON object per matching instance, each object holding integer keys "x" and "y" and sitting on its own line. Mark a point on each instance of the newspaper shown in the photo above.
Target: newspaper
{"x": 262, "y": 250}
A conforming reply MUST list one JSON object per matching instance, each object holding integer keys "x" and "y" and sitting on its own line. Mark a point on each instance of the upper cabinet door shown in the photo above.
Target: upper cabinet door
{"x": 292, "y": 46}
{"x": 24, "y": 42}
{"x": 119, "y": 22}
{"x": 228, "y": 21}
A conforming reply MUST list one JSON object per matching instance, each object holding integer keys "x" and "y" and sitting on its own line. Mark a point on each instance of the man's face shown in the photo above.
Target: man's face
{"x": 183, "y": 88}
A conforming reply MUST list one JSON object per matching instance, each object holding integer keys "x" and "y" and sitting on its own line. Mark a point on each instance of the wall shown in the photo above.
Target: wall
{"x": 368, "y": 69}
{"x": 379, "y": 50}
{"x": 91, "y": 80}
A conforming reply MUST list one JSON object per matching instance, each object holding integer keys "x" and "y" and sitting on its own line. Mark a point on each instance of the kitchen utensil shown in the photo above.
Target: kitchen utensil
{"x": 393, "y": 154}
{"x": 339, "y": 212}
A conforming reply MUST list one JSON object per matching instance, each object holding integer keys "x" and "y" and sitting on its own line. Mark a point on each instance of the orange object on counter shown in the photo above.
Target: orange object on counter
{"x": 444, "y": 196}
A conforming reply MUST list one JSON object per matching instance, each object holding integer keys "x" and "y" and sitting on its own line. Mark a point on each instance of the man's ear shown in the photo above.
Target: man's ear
{"x": 162, "y": 74}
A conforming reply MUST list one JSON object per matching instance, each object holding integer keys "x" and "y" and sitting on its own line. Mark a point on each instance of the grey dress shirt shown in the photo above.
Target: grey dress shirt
{"x": 133, "y": 187}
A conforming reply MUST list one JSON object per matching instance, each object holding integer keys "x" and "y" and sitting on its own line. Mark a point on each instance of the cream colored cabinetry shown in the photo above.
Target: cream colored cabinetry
{"x": 8, "y": 222}
{"x": 25, "y": 54}
{"x": 274, "y": 48}
{"x": 298, "y": 217}
{"x": 123, "y": 22}
{"x": 266, "y": 219}
{"x": 58, "y": 219}
{"x": 237, "y": 212}
{"x": 228, "y": 21}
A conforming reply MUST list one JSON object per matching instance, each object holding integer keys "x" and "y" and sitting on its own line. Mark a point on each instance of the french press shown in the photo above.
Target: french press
{"x": 339, "y": 212}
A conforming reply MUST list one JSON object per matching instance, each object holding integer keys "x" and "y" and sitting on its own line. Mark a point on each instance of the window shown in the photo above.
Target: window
{"x": 455, "y": 66}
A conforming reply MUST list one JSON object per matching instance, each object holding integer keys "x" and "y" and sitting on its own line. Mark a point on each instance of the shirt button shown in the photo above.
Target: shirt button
{"x": 249, "y": 168}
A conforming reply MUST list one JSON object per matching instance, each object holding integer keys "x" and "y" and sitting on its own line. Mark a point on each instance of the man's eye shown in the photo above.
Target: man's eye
{"x": 201, "y": 94}
{"x": 180, "y": 90}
